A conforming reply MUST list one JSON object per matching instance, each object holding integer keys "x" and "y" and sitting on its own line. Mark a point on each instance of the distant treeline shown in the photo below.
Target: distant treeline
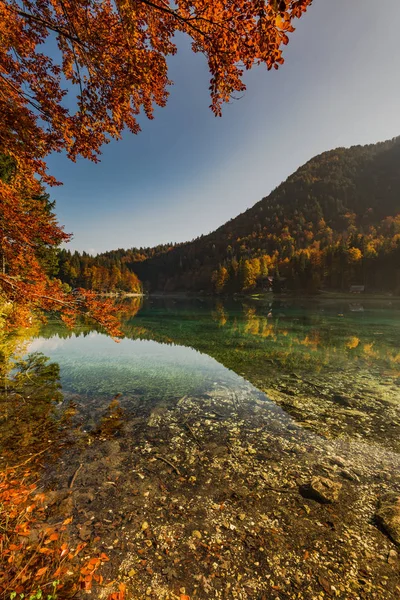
{"x": 334, "y": 223}
{"x": 100, "y": 273}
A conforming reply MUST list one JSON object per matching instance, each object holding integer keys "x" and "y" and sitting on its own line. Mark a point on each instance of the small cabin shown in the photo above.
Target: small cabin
{"x": 269, "y": 283}
{"x": 357, "y": 289}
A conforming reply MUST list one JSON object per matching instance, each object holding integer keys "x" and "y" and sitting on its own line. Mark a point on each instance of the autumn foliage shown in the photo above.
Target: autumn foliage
{"x": 34, "y": 555}
{"x": 332, "y": 224}
{"x": 29, "y": 233}
{"x": 40, "y": 557}
{"x": 73, "y": 75}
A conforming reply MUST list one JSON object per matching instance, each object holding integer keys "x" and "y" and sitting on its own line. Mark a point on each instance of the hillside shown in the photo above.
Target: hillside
{"x": 333, "y": 223}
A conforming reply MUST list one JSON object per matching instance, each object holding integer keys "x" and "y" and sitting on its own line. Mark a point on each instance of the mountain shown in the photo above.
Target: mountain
{"x": 332, "y": 224}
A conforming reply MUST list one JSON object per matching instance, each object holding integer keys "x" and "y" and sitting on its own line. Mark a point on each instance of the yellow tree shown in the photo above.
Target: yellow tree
{"x": 220, "y": 278}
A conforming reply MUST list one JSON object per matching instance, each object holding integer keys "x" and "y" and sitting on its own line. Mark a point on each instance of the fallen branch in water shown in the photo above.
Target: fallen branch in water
{"x": 74, "y": 476}
{"x": 31, "y": 457}
{"x": 177, "y": 471}
{"x": 192, "y": 433}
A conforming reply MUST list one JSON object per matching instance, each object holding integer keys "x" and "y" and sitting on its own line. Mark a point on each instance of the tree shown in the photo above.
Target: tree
{"x": 354, "y": 254}
{"x": 113, "y": 57}
{"x": 220, "y": 278}
{"x": 247, "y": 273}
{"x": 29, "y": 235}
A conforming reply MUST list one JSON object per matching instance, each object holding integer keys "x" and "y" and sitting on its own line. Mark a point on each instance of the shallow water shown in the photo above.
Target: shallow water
{"x": 326, "y": 360}
{"x": 95, "y": 365}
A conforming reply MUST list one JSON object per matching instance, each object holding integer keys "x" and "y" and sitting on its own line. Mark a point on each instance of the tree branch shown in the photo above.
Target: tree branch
{"x": 48, "y": 24}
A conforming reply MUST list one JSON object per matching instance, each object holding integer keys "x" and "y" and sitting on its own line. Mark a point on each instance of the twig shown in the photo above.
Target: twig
{"x": 177, "y": 471}
{"x": 74, "y": 476}
{"x": 31, "y": 457}
{"x": 192, "y": 433}
{"x": 189, "y": 415}
{"x": 218, "y": 414}
{"x": 235, "y": 402}
{"x": 231, "y": 450}
{"x": 311, "y": 383}
{"x": 211, "y": 417}
{"x": 21, "y": 571}
{"x": 182, "y": 400}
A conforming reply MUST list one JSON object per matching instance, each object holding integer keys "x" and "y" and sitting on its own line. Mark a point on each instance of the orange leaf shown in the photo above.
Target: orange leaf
{"x": 94, "y": 561}
{"x": 79, "y": 548}
{"x": 41, "y": 572}
{"x": 14, "y": 547}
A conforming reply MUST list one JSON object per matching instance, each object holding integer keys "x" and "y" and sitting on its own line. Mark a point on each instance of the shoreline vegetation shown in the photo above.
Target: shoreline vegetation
{"x": 38, "y": 558}
{"x": 321, "y": 294}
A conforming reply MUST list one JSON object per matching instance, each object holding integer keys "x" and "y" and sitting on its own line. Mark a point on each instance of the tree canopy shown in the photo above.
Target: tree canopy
{"x": 75, "y": 74}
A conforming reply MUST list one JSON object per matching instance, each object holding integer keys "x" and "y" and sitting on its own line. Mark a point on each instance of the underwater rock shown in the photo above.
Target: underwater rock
{"x": 322, "y": 490}
{"x": 337, "y": 460}
{"x": 61, "y": 502}
{"x": 66, "y": 507}
{"x": 388, "y": 516}
{"x": 197, "y": 534}
{"x": 343, "y": 400}
{"x": 157, "y": 416}
{"x": 349, "y": 475}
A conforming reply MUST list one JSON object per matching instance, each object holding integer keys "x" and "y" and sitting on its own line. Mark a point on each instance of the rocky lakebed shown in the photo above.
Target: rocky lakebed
{"x": 224, "y": 495}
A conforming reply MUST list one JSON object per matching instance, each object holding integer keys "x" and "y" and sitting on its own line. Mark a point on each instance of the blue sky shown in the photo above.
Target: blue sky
{"x": 188, "y": 172}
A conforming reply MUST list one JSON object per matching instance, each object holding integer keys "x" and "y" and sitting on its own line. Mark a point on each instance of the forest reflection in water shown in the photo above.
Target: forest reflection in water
{"x": 333, "y": 365}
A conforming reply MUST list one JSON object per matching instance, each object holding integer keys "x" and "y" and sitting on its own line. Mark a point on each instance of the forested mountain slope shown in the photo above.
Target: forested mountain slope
{"x": 333, "y": 223}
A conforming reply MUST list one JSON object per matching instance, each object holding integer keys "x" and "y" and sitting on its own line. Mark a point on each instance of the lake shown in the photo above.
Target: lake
{"x": 234, "y": 449}
{"x": 322, "y": 361}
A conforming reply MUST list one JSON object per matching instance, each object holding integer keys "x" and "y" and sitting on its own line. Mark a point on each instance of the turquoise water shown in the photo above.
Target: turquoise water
{"x": 330, "y": 361}
{"x": 96, "y": 364}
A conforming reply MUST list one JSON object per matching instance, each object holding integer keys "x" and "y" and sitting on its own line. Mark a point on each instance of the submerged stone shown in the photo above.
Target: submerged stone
{"x": 343, "y": 400}
{"x": 388, "y": 516}
{"x": 322, "y": 490}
